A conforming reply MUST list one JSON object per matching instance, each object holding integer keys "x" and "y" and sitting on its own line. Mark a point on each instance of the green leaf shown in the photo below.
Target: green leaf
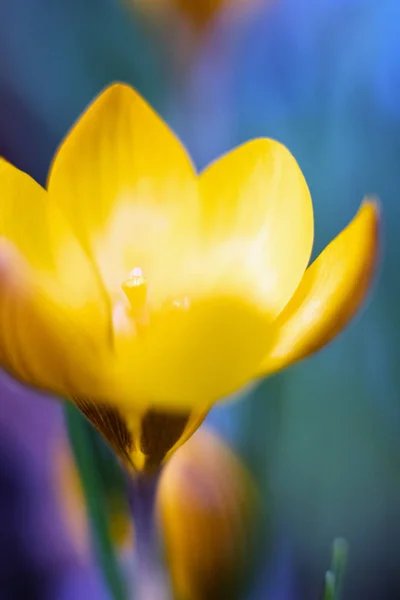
{"x": 329, "y": 593}
{"x": 99, "y": 473}
{"x": 335, "y": 576}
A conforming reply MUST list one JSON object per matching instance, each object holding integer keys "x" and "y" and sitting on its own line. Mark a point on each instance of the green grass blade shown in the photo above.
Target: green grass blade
{"x": 335, "y": 576}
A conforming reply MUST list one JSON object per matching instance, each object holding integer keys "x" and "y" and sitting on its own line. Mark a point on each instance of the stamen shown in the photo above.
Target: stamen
{"x": 135, "y": 288}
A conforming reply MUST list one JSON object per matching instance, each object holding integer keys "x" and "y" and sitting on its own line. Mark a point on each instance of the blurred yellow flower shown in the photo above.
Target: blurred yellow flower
{"x": 198, "y": 12}
{"x": 145, "y": 292}
{"x": 207, "y": 507}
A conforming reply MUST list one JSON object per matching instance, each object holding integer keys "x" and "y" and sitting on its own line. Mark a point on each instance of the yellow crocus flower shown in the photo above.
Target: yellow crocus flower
{"x": 145, "y": 291}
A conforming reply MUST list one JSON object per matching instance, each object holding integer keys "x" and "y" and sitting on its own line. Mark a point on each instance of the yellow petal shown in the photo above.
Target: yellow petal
{"x": 190, "y": 355}
{"x": 258, "y": 219}
{"x": 126, "y": 185}
{"x": 23, "y": 213}
{"x": 330, "y": 292}
{"x": 54, "y": 321}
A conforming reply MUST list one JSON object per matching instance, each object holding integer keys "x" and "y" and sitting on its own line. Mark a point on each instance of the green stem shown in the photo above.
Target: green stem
{"x": 87, "y": 461}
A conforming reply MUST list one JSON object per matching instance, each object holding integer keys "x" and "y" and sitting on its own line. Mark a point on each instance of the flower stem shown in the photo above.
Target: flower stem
{"x": 150, "y": 577}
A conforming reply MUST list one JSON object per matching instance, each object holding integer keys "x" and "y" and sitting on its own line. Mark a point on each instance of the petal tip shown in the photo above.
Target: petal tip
{"x": 365, "y": 227}
{"x": 373, "y": 206}
{"x": 111, "y": 94}
{"x": 370, "y": 212}
{"x": 337, "y": 283}
{"x": 115, "y": 88}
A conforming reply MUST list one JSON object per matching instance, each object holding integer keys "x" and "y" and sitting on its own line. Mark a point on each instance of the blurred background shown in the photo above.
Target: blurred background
{"x": 321, "y": 441}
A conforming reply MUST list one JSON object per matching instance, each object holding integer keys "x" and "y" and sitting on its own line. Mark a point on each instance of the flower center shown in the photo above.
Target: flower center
{"x": 135, "y": 317}
{"x": 136, "y": 288}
